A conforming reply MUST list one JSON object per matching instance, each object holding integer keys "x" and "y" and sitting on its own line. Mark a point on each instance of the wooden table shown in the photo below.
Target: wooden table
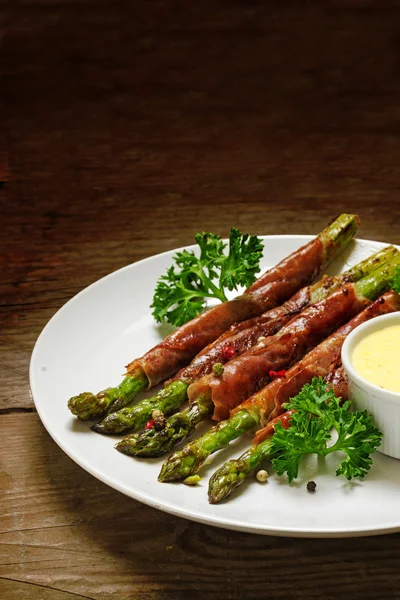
{"x": 130, "y": 126}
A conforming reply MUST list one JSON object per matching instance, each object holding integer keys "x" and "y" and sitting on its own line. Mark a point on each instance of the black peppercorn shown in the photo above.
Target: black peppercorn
{"x": 160, "y": 422}
{"x": 311, "y": 485}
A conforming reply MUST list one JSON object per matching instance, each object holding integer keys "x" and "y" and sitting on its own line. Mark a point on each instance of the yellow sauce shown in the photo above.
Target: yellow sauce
{"x": 377, "y": 358}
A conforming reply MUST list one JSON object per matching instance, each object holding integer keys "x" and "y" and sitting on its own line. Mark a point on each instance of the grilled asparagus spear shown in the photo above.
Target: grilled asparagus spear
{"x": 182, "y": 345}
{"x": 170, "y": 398}
{"x": 154, "y": 442}
{"x": 187, "y": 461}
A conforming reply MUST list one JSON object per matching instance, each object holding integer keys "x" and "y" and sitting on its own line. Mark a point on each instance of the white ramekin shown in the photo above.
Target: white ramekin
{"x": 383, "y": 406}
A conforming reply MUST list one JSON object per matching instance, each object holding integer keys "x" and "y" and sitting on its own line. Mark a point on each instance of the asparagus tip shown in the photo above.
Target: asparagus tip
{"x": 214, "y": 499}
{"x": 179, "y": 466}
{"x": 168, "y": 470}
{"x": 226, "y": 479}
{"x": 124, "y": 446}
{"x": 99, "y": 428}
{"x": 86, "y": 406}
{"x": 112, "y": 424}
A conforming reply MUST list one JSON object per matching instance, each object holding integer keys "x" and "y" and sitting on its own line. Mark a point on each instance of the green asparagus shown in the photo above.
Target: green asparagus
{"x": 234, "y": 472}
{"x": 133, "y": 417}
{"x": 187, "y": 461}
{"x": 88, "y": 406}
{"x": 94, "y": 406}
{"x": 169, "y": 399}
{"x": 305, "y": 429}
{"x": 155, "y": 443}
{"x": 176, "y": 429}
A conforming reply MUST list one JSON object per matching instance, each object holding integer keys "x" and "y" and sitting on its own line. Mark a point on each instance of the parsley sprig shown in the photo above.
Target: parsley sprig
{"x": 317, "y": 413}
{"x": 181, "y": 293}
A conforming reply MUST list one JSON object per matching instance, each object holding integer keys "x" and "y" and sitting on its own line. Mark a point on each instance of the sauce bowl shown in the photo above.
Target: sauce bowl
{"x": 383, "y": 405}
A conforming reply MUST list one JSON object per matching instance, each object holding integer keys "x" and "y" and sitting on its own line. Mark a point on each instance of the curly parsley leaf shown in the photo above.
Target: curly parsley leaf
{"x": 396, "y": 281}
{"x": 358, "y": 438}
{"x": 181, "y": 293}
{"x": 307, "y": 436}
{"x": 317, "y": 413}
{"x": 242, "y": 263}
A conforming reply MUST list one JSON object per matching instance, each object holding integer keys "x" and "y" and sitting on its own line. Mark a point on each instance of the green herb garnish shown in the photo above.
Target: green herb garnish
{"x": 396, "y": 281}
{"x": 317, "y": 414}
{"x": 181, "y": 293}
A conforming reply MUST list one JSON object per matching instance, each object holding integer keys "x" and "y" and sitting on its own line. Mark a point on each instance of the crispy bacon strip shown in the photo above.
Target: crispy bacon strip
{"x": 325, "y": 357}
{"x": 271, "y": 289}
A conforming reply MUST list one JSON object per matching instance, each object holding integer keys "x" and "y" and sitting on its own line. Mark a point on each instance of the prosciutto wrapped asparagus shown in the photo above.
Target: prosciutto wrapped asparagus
{"x": 173, "y": 353}
{"x": 232, "y": 344}
{"x": 269, "y": 290}
{"x": 234, "y": 472}
{"x": 254, "y": 369}
{"x": 251, "y": 413}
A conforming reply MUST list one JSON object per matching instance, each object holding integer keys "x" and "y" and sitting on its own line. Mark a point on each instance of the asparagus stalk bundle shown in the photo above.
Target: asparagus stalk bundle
{"x": 252, "y": 370}
{"x": 232, "y": 344}
{"x": 234, "y": 472}
{"x": 250, "y": 414}
{"x": 270, "y": 290}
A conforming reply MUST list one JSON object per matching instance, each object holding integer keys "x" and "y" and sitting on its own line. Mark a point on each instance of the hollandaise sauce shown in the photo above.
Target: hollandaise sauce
{"x": 377, "y": 358}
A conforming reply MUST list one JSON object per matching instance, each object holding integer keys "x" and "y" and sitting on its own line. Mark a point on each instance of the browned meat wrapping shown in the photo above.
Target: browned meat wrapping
{"x": 271, "y": 289}
{"x": 269, "y": 400}
{"x": 250, "y": 372}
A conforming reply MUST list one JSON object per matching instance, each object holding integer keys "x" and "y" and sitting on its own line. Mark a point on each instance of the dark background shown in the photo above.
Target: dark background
{"x": 129, "y": 126}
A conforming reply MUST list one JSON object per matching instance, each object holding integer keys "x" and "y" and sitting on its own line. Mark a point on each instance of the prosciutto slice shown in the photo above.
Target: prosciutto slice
{"x": 334, "y": 378}
{"x": 338, "y": 380}
{"x": 250, "y": 372}
{"x": 243, "y": 336}
{"x": 270, "y": 290}
{"x": 324, "y": 360}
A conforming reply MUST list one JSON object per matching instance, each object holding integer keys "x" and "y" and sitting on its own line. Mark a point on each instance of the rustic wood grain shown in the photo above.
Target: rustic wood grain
{"x": 64, "y": 530}
{"x": 130, "y": 125}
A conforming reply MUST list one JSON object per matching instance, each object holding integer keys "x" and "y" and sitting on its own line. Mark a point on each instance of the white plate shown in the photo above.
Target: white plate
{"x": 85, "y": 346}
